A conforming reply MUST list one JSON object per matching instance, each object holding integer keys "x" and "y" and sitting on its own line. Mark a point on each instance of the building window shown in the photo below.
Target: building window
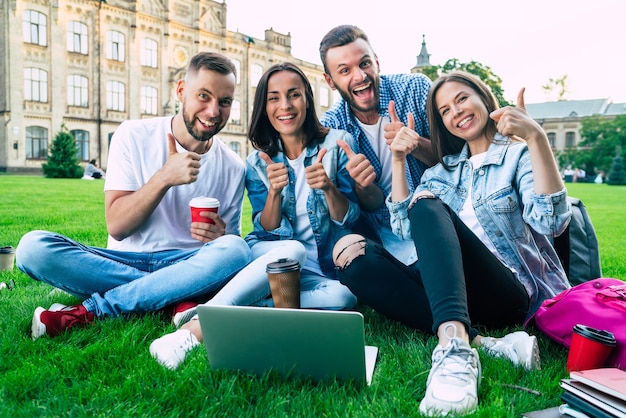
{"x": 237, "y": 64}
{"x": 77, "y": 37}
{"x": 36, "y": 143}
{"x": 77, "y": 91}
{"x": 148, "y": 100}
{"x": 149, "y": 53}
{"x": 115, "y": 46}
{"x": 235, "y": 146}
{"x": 256, "y": 71}
{"x": 35, "y": 28}
{"x": 82, "y": 144}
{"x": 235, "y": 112}
{"x": 35, "y": 85}
{"x": 115, "y": 96}
{"x": 570, "y": 139}
{"x": 552, "y": 139}
{"x": 324, "y": 92}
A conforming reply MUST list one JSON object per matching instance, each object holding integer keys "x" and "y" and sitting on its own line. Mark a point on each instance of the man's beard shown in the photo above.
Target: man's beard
{"x": 191, "y": 128}
{"x": 349, "y": 98}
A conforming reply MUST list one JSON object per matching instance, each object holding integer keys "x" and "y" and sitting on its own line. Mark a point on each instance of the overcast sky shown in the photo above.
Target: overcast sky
{"x": 525, "y": 42}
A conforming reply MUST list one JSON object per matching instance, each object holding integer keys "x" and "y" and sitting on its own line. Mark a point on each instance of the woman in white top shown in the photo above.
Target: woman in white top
{"x": 302, "y": 201}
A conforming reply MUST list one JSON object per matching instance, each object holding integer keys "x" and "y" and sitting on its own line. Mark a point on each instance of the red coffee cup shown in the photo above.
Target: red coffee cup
{"x": 203, "y": 204}
{"x": 590, "y": 348}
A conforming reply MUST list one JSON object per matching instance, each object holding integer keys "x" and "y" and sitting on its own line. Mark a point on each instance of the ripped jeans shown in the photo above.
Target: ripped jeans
{"x": 456, "y": 277}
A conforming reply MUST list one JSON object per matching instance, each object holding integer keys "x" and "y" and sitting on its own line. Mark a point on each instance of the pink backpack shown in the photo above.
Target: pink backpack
{"x": 598, "y": 303}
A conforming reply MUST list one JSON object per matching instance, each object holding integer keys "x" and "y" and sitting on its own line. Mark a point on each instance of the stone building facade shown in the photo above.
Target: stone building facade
{"x": 562, "y": 120}
{"x": 88, "y": 65}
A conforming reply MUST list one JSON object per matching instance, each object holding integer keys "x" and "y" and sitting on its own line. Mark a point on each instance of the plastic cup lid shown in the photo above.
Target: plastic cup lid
{"x": 7, "y": 250}
{"x": 204, "y": 202}
{"x": 283, "y": 265}
{"x": 601, "y": 336}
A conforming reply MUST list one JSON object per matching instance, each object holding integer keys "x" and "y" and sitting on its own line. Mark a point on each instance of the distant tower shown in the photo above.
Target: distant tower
{"x": 423, "y": 59}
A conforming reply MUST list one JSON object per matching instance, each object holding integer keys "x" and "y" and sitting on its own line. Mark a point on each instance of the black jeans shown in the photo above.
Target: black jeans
{"x": 456, "y": 277}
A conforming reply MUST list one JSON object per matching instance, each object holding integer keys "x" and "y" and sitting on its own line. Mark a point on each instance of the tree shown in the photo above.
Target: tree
{"x": 63, "y": 158}
{"x": 578, "y": 158}
{"x": 603, "y": 139}
{"x": 617, "y": 176}
{"x": 483, "y": 72}
{"x": 556, "y": 88}
{"x": 431, "y": 71}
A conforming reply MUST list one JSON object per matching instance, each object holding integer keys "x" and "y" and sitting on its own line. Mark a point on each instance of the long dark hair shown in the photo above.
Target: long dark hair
{"x": 262, "y": 134}
{"x": 443, "y": 142}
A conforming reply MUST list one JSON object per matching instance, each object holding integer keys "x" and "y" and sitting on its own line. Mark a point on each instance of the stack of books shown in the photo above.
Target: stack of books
{"x": 595, "y": 393}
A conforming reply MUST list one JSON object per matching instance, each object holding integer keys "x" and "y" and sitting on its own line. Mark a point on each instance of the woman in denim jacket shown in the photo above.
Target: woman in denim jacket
{"x": 298, "y": 184}
{"x": 478, "y": 220}
{"x": 302, "y": 202}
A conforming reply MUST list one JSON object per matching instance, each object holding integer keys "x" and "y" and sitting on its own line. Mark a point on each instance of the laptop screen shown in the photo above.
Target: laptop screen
{"x": 294, "y": 342}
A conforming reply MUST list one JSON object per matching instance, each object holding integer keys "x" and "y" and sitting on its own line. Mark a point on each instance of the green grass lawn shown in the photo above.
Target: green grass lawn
{"x": 106, "y": 369}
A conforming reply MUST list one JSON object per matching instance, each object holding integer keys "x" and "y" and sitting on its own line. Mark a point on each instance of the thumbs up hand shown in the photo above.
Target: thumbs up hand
{"x": 180, "y": 167}
{"x": 359, "y": 167}
{"x": 514, "y": 121}
{"x": 420, "y": 146}
{"x": 405, "y": 141}
{"x": 316, "y": 176}
{"x": 394, "y": 126}
{"x": 276, "y": 173}
{"x": 171, "y": 145}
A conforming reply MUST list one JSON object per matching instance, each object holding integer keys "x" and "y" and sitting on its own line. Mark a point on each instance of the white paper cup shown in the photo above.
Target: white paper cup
{"x": 203, "y": 204}
{"x": 7, "y": 258}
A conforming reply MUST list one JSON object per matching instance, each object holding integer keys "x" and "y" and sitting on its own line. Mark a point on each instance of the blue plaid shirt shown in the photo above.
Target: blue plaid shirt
{"x": 409, "y": 93}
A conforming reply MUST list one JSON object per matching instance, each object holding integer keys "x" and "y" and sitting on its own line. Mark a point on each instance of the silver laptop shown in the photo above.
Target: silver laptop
{"x": 294, "y": 342}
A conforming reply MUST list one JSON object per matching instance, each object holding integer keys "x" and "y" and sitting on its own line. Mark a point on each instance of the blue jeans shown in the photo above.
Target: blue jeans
{"x": 251, "y": 287}
{"x": 115, "y": 282}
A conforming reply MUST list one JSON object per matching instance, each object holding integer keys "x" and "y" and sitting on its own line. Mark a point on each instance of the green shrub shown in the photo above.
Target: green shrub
{"x": 63, "y": 158}
{"x": 617, "y": 175}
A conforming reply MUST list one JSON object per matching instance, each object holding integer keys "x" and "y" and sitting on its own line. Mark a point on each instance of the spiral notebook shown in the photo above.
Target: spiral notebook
{"x": 317, "y": 344}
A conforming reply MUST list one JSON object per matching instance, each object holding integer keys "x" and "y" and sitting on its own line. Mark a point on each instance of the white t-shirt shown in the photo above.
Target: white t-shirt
{"x": 139, "y": 148}
{"x": 376, "y": 135}
{"x": 467, "y": 213}
{"x": 302, "y": 230}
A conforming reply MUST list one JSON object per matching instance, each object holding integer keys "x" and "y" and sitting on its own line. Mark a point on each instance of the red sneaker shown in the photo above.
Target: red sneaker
{"x": 55, "y": 322}
{"x": 183, "y": 312}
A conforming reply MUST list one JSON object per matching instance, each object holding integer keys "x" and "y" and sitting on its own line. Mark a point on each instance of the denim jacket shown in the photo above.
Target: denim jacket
{"x": 326, "y": 230}
{"x": 515, "y": 219}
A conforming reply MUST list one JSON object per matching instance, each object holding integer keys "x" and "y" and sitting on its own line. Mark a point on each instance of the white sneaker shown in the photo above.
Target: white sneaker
{"x": 171, "y": 349}
{"x": 453, "y": 381}
{"x": 519, "y": 347}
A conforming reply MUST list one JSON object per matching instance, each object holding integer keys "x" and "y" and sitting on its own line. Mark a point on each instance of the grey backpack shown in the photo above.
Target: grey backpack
{"x": 577, "y": 247}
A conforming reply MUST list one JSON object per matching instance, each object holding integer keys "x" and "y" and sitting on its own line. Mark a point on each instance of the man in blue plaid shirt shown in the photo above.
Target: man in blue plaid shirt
{"x": 373, "y": 108}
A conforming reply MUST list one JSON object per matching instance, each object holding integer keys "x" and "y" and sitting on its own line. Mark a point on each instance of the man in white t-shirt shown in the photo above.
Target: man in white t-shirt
{"x": 156, "y": 256}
